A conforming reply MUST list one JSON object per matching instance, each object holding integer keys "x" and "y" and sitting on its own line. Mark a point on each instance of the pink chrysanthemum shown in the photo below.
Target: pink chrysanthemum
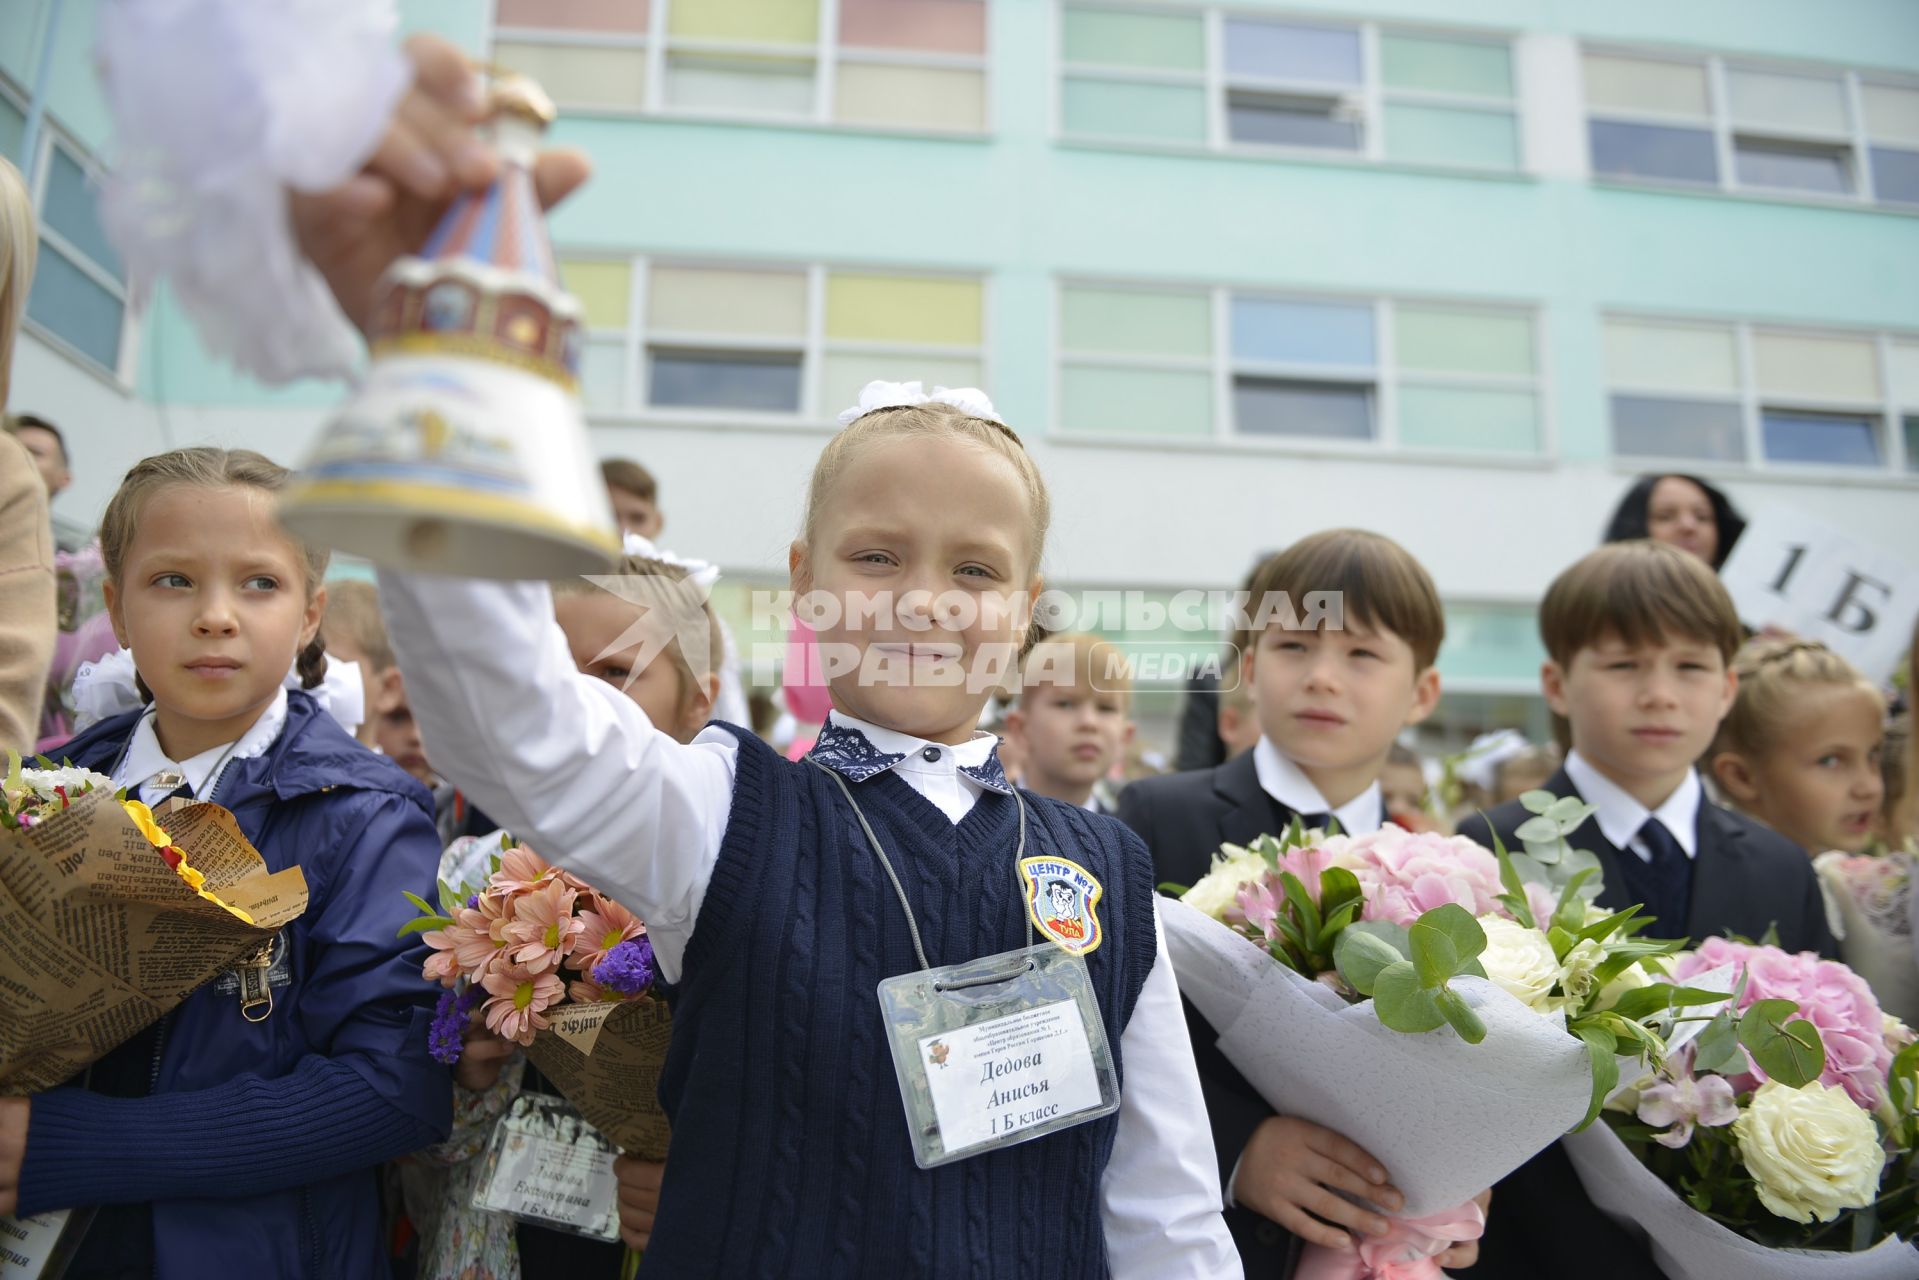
{"x": 605, "y": 924}
{"x": 516, "y": 999}
{"x": 543, "y": 928}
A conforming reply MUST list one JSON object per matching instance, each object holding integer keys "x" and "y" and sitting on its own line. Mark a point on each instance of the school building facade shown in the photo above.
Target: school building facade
{"x": 1454, "y": 271}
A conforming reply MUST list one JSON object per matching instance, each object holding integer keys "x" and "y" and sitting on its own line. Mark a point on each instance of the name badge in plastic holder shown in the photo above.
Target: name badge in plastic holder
{"x": 997, "y": 1051}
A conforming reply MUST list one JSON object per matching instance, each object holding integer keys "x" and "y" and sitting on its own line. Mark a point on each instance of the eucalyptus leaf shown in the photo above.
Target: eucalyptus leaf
{"x": 1394, "y": 935}
{"x": 1538, "y": 831}
{"x": 1461, "y": 1016}
{"x": 1458, "y": 927}
{"x": 1716, "y": 1048}
{"x": 1537, "y": 801}
{"x": 1361, "y": 956}
{"x": 1568, "y": 812}
{"x": 1402, "y": 1003}
{"x": 1789, "y": 1052}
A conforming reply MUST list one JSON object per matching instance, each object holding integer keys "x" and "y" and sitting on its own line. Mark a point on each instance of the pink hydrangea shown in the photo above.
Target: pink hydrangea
{"x": 1830, "y": 996}
{"x": 1405, "y": 874}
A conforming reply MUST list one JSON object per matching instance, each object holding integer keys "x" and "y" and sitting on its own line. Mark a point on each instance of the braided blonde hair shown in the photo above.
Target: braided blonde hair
{"x": 1772, "y": 671}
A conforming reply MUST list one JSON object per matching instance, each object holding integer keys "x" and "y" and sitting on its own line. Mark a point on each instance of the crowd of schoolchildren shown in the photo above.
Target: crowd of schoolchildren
{"x": 325, "y": 1141}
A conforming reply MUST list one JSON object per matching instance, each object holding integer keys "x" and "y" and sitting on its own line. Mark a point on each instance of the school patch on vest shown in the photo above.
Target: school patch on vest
{"x": 1061, "y": 896}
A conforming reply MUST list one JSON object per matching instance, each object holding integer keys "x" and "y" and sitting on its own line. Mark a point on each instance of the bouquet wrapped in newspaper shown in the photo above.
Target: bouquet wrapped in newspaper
{"x": 555, "y": 966}
{"x": 1743, "y": 1165}
{"x": 1418, "y": 995}
{"x": 110, "y": 915}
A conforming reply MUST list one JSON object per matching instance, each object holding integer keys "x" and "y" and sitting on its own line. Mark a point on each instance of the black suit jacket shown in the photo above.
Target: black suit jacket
{"x": 1184, "y": 818}
{"x": 1745, "y": 879}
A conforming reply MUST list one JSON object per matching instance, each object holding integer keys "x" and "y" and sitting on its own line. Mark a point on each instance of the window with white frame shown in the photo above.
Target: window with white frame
{"x": 766, "y": 341}
{"x": 1216, "y": 363}
{"x": 890, "y": 64}
{"x": 1741, "y": 394}
{"x": 1218, "y": 78}
{"x": 79, "y": 293}
{"x": 1739, "y": 125}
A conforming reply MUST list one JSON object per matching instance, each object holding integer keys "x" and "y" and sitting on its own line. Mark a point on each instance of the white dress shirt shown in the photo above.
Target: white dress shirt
{"x": 575, "y": 767}
{"x": 1620, "y": 816}
{"x": 1281, "y": 779}
{"x": 145, "y": 761}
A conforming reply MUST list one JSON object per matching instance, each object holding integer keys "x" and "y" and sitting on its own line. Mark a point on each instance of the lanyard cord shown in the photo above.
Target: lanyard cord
{"x": 899, "y": 889}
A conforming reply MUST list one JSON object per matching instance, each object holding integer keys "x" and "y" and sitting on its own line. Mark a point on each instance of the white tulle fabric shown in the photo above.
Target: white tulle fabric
{"x": 903, "y": 395}
{"x": 220, "y": 106}
{"x": 106, "y": 688}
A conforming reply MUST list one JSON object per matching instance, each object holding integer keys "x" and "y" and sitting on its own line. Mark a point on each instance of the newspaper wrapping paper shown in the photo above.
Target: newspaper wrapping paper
{"x": 99, "y": 936}
{"x": 1448, "y": 1119}
{"x": 1688, "y": 1245}
{"x": 605, "y": 1059}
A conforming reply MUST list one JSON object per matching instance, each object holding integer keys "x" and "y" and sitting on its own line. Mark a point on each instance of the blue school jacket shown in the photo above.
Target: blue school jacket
{"x": 257, "y": 1142}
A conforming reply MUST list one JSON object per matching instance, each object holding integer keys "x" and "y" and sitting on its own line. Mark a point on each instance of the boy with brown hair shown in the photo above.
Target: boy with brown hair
{"x": 1071, "y": 725}
{"x": 1345, "y": 626}
{"x": 635, "y": 496}
{"x": 1640, "y": 638}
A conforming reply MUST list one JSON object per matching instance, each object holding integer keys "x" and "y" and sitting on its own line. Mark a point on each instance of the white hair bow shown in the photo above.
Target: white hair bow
{"x": 107, "y": 688}
{"x": 701, "y": 573}
{"x": 903, "y": 395}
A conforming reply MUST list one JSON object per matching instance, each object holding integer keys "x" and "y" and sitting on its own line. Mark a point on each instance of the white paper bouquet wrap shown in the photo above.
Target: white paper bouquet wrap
{"x": 1448, "y": 1119}
{"x": 1691, "y": 1246}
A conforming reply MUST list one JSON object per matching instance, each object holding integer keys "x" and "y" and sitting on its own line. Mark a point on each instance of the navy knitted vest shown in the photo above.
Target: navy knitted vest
{"x": 790, "y": 1154}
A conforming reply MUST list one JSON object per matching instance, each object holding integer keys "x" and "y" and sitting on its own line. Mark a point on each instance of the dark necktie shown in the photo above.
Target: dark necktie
{"x": 1668, "y": 880}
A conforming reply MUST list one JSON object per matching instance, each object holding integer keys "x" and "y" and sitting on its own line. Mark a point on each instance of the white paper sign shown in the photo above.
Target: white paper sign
{"x": 993, "y": 1079}
{"x": 1791, "y": 571}
{"x": 27, "y": 1243}
{"x": 562, "y": 1182}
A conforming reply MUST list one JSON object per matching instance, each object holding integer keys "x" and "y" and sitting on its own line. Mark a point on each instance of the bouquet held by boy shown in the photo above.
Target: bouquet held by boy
{"x": 1452, "y": 1011}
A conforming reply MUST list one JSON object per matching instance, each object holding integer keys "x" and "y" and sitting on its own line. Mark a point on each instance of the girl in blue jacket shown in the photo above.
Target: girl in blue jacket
{"x": 239, "y": 1140}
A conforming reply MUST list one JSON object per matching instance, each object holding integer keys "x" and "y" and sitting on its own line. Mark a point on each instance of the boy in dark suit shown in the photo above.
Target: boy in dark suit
{"x": 1332, "y": 693}
{"x": 1639, "y": 638}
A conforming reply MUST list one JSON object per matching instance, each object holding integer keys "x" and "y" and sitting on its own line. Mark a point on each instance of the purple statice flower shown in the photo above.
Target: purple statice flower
{"x": 627, "y": 969}
{"x": 473, "y": 902}
{"x": 443, "y": 1038}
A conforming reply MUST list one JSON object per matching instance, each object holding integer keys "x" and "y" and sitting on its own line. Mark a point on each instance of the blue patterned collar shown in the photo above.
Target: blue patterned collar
{"x": 857, "y": 751}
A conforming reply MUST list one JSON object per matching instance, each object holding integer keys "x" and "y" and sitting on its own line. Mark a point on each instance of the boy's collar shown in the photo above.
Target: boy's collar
{"x": 1283, "y": 780}
{"x": 1620, "y": 816}
{"x": 858, "y": 750}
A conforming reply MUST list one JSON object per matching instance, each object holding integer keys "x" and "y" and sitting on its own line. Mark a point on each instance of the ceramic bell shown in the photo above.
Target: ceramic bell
{"x": 466, "y": 451}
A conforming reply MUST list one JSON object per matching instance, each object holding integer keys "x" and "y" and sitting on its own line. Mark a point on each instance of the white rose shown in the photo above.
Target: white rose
{"x": 1811, "y": 1151}
{"x": 1218, "y": 889}
{"x": 1521, "y": 962}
